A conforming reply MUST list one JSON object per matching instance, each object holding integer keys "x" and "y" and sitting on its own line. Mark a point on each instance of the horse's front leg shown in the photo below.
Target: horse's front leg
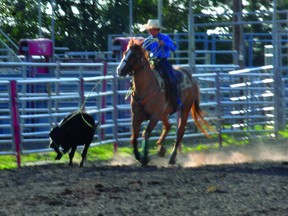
{"x": 135, "y": 148}
{"x": 151, "y": 125}
{"x": 166, "y": 129}
{"x": 135, "y": 134}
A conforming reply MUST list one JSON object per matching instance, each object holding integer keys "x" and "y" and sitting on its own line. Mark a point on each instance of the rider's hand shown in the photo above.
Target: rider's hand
{"x": 160, "y": 43}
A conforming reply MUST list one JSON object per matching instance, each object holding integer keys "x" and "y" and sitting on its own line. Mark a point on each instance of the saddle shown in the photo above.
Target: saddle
{"x": 182, "y": 82}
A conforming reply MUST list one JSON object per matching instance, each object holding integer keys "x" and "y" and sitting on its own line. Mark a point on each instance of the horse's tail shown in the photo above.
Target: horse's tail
{"x": 198, "y": 114}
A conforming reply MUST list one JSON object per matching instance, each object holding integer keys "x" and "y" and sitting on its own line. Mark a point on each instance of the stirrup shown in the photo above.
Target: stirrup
{"x": 179, "y": 104}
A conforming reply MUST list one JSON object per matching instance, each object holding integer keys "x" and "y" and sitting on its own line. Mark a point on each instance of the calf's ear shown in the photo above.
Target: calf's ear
{"x": 53, "y": 131}
{"x": 56, "y": 134}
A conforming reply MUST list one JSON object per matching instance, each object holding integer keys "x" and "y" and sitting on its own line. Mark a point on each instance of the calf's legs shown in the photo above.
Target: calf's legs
{"x": 71, "y": 155}
{"x": 84, "y": 153}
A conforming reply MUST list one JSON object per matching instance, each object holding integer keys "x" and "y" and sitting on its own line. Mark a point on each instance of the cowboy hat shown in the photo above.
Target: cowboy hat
{"x": 152, "y": 24}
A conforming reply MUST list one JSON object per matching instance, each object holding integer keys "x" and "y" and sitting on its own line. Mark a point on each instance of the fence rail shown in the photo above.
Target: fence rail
{"x": 237, "y": 101}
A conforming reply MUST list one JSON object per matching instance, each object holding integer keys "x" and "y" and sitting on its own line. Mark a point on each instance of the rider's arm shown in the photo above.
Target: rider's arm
{"x": 167, "y": 42}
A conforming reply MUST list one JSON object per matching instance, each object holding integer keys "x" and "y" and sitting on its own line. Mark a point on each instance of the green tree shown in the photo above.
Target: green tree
{"x": 19, "y": 18}
{"x": 85, "y": 25}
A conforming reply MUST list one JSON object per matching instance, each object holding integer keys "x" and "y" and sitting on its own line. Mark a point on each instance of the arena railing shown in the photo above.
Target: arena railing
{"x": 236, "y": 101}
{"x": 39, "y": 102}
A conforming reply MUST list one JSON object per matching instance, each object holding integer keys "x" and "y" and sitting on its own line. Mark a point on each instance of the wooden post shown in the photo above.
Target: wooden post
{"x": 15, "y": 120}
{"x": 238, "y": 44}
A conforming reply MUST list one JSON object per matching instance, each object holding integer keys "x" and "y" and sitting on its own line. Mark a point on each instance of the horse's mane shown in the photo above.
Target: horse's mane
{"x": 138, "y": 42}
{"x": 135, "y": 41}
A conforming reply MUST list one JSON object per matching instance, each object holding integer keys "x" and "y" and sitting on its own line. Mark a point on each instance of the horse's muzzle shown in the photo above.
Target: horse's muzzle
{"x": 121, "y": 69}
{"x": 118, "y": 70}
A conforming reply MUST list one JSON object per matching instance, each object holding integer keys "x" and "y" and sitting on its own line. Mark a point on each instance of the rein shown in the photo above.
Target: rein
{"x": 134, "y": 71}
{"x": 146, "y": 98}
{"x": 132, "y": 91}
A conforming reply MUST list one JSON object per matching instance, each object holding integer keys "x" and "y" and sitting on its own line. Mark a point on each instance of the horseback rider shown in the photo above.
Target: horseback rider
{"x": 159, "y": 46}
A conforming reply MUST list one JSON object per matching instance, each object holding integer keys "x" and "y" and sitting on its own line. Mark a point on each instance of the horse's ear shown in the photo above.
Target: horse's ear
{"x": 131, "y": 42}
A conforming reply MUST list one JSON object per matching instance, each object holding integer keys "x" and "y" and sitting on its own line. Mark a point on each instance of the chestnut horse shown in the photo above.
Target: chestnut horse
{"x": 150, "y": 103}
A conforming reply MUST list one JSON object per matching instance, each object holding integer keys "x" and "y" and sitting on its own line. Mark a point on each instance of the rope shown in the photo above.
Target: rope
{"x": 150, "y": 41}
{"x": 81, "y": 108}
{"x": 129, "y": 92}
{"x": 96, "y": 84}
{"x": 87, "y": 123}
{"x": 79, "y": 111}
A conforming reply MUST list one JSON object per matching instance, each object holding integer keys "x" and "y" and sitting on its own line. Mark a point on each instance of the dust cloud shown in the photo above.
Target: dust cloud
{"x": 244, "y": 154}
{"x": 122, "y": 160}
{"x": 225, "y": 155}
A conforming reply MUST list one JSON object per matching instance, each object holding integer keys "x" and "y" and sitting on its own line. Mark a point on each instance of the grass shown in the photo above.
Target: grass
{"x": 284, "y": 134}
{"x": 101, "y": 153}
{"x": 98, "y": 153}
{"x": 8, "y": 162}
{"x": 104, "y": 153}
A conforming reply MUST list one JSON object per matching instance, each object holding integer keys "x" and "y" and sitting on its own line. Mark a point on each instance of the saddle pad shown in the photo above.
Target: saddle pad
{"x": 160, "y": 80}
{"x": 182, "y": 80}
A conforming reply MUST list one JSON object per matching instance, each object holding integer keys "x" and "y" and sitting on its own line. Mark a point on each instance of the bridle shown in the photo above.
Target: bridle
{"x": 131, "y": 72}
{"x": 130, "y": 67}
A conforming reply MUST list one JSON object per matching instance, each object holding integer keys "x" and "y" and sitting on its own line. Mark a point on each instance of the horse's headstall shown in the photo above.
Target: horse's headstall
{"x": 131, "y": 73}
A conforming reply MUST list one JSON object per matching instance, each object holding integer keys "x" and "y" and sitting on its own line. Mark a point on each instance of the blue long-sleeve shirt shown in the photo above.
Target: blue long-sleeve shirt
{"x": 159, "y": 51}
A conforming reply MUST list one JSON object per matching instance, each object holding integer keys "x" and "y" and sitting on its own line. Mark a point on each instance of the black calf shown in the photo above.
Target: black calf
{"x": 75, "y": 129}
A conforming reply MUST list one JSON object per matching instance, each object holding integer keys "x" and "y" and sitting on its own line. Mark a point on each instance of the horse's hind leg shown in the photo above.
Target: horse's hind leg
{"x": 180, "y": 133}
{"x": 166, "y": 129}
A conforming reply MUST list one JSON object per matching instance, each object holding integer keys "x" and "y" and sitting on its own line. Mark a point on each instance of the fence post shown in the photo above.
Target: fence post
{"x": 82, "y": 94}
{"x": 115, "y": 111}
{"x": 279, "y": 112}
{"x": 103, "y": 98}
{"x": 15, "y": 120}
{"x": 219, "y": 107}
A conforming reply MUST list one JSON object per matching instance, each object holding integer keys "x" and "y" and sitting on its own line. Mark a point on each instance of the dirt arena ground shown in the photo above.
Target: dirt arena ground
{"x": 230, "y": 181}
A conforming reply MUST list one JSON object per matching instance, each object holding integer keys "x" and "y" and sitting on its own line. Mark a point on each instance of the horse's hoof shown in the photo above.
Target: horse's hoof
{"x": 144, "y": 161}
{"x": 172, "y": 161}
{"x": 137, "y": 156}
{"x": 161, "y": 151}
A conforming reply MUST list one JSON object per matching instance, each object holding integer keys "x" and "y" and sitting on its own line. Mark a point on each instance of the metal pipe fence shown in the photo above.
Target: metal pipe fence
{"x": 236, "y": 101}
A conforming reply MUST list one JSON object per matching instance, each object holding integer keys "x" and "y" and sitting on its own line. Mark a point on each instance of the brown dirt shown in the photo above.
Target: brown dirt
{"x": 201, "y": 186}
